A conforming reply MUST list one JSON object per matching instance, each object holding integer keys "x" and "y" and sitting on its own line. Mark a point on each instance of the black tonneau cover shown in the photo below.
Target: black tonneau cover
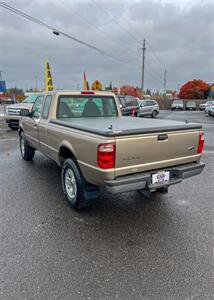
{"x": 120, "y": 126}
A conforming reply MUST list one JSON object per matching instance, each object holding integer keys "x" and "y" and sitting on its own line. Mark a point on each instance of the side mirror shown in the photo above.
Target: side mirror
{"x": 24, "y": 112}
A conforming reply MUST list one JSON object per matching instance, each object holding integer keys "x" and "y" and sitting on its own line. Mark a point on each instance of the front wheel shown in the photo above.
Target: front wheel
{"x": 13, "y": 127}
{"x": 27, "y": 152}
{"x": 73, "y": 185}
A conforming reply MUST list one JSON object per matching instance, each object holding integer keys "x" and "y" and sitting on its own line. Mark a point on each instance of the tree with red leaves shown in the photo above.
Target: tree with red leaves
{"x": 194, "y": 89}
{"x": 130, "y": 91}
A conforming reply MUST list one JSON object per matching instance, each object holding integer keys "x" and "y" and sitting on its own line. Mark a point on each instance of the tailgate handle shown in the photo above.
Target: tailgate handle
{"x": 162, "y": 137}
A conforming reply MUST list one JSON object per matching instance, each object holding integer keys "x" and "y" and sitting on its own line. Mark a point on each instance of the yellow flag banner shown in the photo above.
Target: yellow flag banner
{"x": 48, "y": 78}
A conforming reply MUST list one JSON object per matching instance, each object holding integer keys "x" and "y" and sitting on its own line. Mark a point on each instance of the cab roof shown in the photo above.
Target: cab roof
{"x": 81, "y": 93}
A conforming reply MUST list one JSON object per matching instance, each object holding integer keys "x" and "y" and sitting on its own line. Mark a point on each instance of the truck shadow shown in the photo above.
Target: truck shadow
{"x": 113, "y": 214}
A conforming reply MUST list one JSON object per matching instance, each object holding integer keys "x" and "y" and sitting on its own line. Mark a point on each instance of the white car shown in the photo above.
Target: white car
{"x": 211, "y": 110}
{"x": 148, "y": 108}
{"x": 209, "y": 106}
{"x": 203, "y": 106}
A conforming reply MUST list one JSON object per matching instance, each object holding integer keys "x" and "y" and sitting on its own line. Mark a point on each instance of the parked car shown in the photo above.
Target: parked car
{"x": 97, "y": 148}
{"x": 148, "y": 108}
{"x": 12, "y": 112}
{"x": 211, "y": 111}
{"x": 202, "y": 106}
{"x": 177, "y": 105}
{"x": 209, "y": 106}
{"x": 190, "y": 105}
{"x": 6, "y": 101}
{"x": 128, "y": 105}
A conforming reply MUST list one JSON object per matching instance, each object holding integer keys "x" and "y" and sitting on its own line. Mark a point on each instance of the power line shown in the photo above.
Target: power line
{"x": 91, "y": 25}
{"x": 127, "y": 31}
{"x": 57, "y": 32}
{"x": 155, "y": 55}
{"x": 115, "y": 41}
{"x": 160, "y": 84}
{"x": 150, "y": 63}
{"x": 116, "y": 22}
{"x": 134, "y": 38}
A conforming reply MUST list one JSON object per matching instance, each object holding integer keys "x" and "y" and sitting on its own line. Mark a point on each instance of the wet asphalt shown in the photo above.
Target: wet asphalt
{"x": 123, "y": 247}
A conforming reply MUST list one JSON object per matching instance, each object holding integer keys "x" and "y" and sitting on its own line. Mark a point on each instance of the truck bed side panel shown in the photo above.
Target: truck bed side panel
{"x": 83, "y": 146}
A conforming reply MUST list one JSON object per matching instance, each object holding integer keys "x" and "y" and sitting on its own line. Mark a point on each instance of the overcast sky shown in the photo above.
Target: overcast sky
{"x": 179, "y": 37}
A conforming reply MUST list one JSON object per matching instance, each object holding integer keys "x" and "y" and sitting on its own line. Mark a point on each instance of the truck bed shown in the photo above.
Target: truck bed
{"x": 121, "y": 126}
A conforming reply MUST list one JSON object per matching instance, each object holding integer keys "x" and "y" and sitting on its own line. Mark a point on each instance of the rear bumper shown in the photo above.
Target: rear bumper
{"x": 177, "y": 108}
{"x": 143, "y": 180}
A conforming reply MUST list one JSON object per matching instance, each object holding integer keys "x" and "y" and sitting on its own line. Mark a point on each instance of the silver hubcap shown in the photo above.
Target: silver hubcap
{"x": 70, "y": 184}
{"x": 23, "y": 146}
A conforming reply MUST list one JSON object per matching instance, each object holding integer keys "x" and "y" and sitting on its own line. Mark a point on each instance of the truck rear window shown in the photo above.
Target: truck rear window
{"x": 85, "y": 106}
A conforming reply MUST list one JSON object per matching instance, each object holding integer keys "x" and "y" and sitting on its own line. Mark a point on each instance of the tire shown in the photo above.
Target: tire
{"x": 27, "y": 152}
{"x": 13, "y": 127}
{"x": 154, "y": 114}
{"x": 73, "y": 185}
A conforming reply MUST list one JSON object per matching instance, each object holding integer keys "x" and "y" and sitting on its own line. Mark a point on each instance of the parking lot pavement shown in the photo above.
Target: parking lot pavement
{"x": 1, "y": 109}
{"x": 124, "y": 247}
{"x": 1, "y": 116}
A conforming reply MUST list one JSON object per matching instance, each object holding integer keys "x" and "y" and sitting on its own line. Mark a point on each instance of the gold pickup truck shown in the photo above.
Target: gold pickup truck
{"x": 86, "y": 135}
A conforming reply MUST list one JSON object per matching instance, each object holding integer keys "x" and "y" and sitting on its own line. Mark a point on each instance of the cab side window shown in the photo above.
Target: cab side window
{"x": 46, "y": 108}
{"x": 37, "y": 107}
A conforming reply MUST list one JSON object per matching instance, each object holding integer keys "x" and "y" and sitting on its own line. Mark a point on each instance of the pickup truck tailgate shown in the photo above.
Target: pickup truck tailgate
{"x": 137, "y": 153}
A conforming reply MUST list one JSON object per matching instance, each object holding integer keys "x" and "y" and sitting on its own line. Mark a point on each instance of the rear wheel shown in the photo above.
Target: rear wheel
{"x": 154, "y": 114}
{"x": 73, "y": 185}
{"x": 27, "y": 152}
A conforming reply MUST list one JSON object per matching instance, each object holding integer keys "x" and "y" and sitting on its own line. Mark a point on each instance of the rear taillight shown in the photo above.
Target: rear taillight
{"x": 106, "y": 156}
{"x": 201, "y": 142}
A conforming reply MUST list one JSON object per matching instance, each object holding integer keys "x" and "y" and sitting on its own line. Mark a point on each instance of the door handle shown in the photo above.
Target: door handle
{"x": 162, "y": 137}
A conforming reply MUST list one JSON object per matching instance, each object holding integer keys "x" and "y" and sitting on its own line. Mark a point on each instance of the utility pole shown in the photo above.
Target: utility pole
{"x": 0, "y": 75}
{"x": 143, "y": 65}
{"x": 164, "y": 83}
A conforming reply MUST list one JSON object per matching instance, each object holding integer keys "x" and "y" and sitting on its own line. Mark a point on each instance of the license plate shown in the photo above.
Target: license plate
{"x": 160, "y": 177}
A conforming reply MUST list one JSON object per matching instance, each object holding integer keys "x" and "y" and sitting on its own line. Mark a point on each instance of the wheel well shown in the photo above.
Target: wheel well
{"x": 154, "y": 111}
{"x": 65, "y": 153}
{"x": 20, "y": 130}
